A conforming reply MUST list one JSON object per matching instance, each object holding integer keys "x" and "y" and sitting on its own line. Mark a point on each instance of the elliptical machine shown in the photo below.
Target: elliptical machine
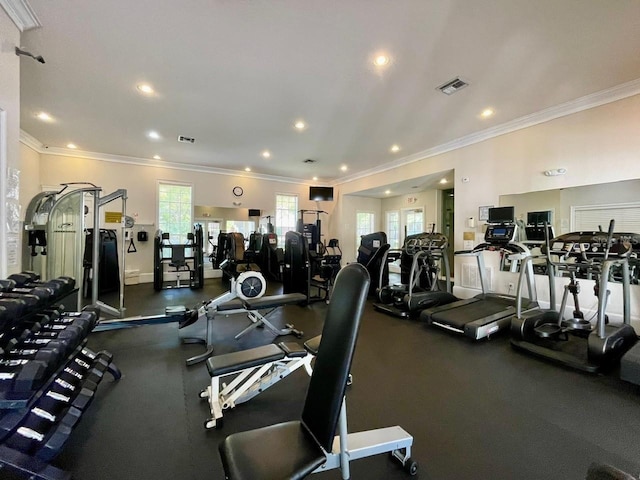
{"x": 420, "y": 259}
{"x": 575, "y": 342}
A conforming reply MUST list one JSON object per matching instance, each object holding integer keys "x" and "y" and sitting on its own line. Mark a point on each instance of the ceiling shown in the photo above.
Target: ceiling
{"x": 237, "y": 74}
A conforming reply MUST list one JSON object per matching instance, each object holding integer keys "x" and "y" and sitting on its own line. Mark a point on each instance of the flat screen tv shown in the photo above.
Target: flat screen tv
{"x": 539, "y": 218}
{"x": 254, "y": 212}
{"x": 321, "y": 194}
{"x": 501, "y": 215}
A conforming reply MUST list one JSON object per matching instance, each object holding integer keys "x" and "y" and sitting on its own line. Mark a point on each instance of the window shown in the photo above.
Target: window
{"x": 286, "y": 214}
{"x": 246, "y": 228}
{"x": 365, "y": 224}
{"x": 175, "y": 209}
{"x": 592, "y": 217}
{"x": 393, "y": 229}
{"x": 413, "y": 221}
{"x": 213, "y": 230}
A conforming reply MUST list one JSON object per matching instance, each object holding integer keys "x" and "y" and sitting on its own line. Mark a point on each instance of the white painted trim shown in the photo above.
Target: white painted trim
{"x": 586, "y": 102}
{"x": 39, "y": 147}
{"x": 21, "y": 13}
{"x": 3, "y": 193}
{"x": 31, "y": 142}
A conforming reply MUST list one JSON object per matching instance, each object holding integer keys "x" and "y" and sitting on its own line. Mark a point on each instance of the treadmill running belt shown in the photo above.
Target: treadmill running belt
{"x": 460, "y": 316}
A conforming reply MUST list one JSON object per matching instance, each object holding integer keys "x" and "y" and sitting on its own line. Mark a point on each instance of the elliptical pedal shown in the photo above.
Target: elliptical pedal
{"x": 552, "y": 331}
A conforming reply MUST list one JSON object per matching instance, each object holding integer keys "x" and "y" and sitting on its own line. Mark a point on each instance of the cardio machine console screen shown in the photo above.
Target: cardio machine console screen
{"x": 594, "y": 244}
{"x": 425, "y": 242}
{"x": 503, "y": 233}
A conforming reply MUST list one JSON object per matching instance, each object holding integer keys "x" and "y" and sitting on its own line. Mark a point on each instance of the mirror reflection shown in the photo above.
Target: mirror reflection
{"x": 584, "y": 208}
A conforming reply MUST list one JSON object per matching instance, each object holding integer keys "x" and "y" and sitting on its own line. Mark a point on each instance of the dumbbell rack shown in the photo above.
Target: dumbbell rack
{"x": 48, "y": 377}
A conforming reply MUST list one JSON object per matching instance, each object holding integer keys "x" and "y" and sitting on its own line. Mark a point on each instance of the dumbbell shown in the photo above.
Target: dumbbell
{"x": 31, "y": 301}
{"x": 86, "y": 319}
{"x": 42, "y": 292}
{"x": 61, "y": 285}
{"x": 15, "y": 307}
{"x": 47, "y": 438}
{"x": 107, "y": 356}
{"x": 72, "y": 335}
{"x": 23, "y": 278}
{"x": 75, "y": 375}
{"x": 55, "y": 401}
{"x": 21, "y": 376}
{"x": 52, "y": 354}
{"x": 6, "y": 285}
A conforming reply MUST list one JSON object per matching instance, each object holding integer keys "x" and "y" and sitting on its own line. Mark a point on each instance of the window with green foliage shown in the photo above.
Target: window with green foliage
{"x": 286, "y": 216}
{"x": 175, "y": 207}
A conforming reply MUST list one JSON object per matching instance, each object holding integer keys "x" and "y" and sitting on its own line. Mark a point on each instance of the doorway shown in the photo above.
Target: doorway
{"x": 447, "y": 202}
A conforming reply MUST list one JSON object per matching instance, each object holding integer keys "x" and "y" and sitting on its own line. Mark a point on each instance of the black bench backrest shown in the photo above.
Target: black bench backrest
{"x": 333, "y": 362}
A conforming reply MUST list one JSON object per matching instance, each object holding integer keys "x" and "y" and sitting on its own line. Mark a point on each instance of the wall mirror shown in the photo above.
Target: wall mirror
{"x": 588, "y": 207}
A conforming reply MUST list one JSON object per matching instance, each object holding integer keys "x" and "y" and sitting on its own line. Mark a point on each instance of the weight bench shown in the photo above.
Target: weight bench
{"x": 251, "y": 307}
{"x": 255, "y": 370}
{"x": 296, "y": 449}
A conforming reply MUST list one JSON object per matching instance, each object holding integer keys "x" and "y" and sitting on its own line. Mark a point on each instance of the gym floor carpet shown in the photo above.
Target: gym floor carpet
{"x": 476, "y": 410}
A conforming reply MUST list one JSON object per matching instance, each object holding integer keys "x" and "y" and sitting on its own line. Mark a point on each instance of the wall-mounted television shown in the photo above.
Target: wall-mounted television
{"x": 539, "y": 218}
{"x": 321, "y": 194}
{"x": 502, "y": 215}
{"x": 254, "y": 212}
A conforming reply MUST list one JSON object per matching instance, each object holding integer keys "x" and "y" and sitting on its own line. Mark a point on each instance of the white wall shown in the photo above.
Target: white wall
{"x": 595, "y": 146}
{"x": 10, "y": 111}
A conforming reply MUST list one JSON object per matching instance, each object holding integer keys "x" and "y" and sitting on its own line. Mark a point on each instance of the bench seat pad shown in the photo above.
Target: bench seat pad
{"x": 236, "y": 361}
{"x": 290, "y": 453}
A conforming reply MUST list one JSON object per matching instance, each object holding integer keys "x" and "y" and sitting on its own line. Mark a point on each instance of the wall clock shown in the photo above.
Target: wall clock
{"x": 238, "y": 191}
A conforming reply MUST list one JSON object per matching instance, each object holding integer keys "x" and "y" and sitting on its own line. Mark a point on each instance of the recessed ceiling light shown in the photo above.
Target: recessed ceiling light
{"x": 45, "y": 117}
{"x": 300, "y": 125}
{"x": 381, "y": 60}
{"x": 395, "y": 148}
{"x": 157, "y": 157}
{"x": 315, "y": 179}
{"x": 444, "y": 180}
{"x": 487, "y": 112}
{"x": 266, "y": 154}
{"x": 343, "y": 168}
{"x": 387, "y": 192}
{"x": 153, "y": 135}
{"x": 71, "y": 145}
{"x": 247, "y": 169}
{"x": 145, "y": 88}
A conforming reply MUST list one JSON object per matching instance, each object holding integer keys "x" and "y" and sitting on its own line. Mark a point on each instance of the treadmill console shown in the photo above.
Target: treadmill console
{"x": 593, "y": 245}
{"x": 500, "y": 234}
{"x": 425, "y": 242}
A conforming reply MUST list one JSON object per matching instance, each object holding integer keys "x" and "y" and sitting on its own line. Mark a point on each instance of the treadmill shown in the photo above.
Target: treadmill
{"x": 419, "y": 289}
{"x": 488, "y": 313}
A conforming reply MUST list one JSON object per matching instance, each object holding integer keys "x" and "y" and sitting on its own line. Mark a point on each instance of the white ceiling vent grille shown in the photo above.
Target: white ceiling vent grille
{"x": 452, "y": 86}
{"x": 183, "y": 139}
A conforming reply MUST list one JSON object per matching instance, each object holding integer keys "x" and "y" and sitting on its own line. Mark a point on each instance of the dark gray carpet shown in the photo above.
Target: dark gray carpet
{"x": 476, "y": 410}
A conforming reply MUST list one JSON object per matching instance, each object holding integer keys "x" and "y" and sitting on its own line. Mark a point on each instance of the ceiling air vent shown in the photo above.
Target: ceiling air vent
{"x": 183, "y": 139}
{"x": 309, "y": 160}
{"x": 453, "y": 86}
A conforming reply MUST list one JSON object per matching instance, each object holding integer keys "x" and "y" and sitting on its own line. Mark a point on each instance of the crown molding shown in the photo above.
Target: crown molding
{"x": 586, "y": 102}
{"x": 21, "y": 13}
{"x": 39, "y": 147}
{"x": 31, "y": 141}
